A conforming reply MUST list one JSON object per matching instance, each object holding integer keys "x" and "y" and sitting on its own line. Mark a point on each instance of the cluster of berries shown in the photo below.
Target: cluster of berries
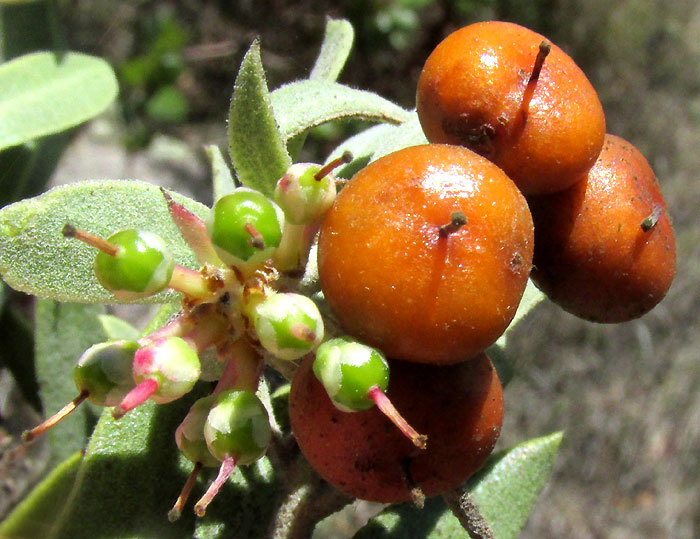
{"x": 422, "y": 258}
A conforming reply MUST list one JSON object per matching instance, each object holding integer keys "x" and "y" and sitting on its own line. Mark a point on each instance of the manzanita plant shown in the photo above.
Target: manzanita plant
{"x": 203, "y": 414}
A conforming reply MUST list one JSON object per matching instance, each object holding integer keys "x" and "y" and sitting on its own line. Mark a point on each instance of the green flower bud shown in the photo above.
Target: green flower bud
{"x": 348, "y": 370}
{"x": 104, "y": 372}
{"x": 288, "y": 326}
{"x": 142, "y": 266}
{"x": 238, "y": 426}
{"x": 189, "y": 436}
{"x": 170, "y": 362}
{"x": 302, "y": 197}
{"x": 245, "y": 227}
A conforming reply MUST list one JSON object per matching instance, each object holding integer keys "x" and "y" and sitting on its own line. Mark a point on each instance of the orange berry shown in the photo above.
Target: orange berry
{"x": 400, "y": 275}
{"x": 604, "y": 248}
{"x": 459, "y": 407}
{"x": 473, "y": 92}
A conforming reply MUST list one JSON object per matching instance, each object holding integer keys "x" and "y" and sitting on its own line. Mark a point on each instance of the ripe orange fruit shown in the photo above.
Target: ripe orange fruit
{"x": 459, "y": 407}
{"x": 399, "y": 276}
{"x": 604, "y": 248}
{"x": 471, "y": 92}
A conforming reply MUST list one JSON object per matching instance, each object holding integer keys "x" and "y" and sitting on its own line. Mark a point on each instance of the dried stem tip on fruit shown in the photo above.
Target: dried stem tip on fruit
{"x": 342, "y": 160}
{"x": 457, "y": 221}
{"x": 544, "y": 50}
{"x": 650, "y": 222}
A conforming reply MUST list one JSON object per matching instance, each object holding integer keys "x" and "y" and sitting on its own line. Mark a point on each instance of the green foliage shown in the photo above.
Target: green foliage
{"x": 35, "y": 257}
{"x": 43, "y": 93}
{"x": 256, "y": 146}
{"x": 36, "y": 515}
{"x": 63, "y": 332}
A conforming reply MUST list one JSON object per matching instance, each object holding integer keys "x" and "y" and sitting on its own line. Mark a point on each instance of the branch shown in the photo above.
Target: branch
{"x": 467, "y": 512}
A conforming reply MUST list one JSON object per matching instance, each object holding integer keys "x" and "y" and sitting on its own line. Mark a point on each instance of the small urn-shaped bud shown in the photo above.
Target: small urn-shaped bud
{"x": 164, "y": 371}
{"x": 189, "y": 435}
{"x": 288, "y": 325}
{"x": 104, "y": 372}
{"x": 245, "y": 227}
{"x": 102, "y": 376}
{"x": 304, "y": 198}
{"x": 356, "y": 376}
{"x": 237, "y": 431}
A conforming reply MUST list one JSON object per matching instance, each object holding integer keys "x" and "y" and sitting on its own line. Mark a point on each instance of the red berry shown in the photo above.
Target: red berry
{"x": 459, "y": 407}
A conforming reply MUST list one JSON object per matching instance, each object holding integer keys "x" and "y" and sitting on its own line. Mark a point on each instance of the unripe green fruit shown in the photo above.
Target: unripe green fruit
{"x": 238, "y": 426}
{"x": 348, "y": 370}
{"x": 104, "y": 372}
{"x": 288, "y": 325}
{"x": 302, "y": 197}
{"x": 142, "y": 267}
{"x": 245, "y": 227}
{"x": 189, "y": 435}
{"x": 172, "y": 363}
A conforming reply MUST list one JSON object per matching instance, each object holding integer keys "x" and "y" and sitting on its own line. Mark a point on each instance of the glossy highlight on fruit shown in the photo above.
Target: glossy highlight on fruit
{"x": 142, "y": 266}
{"x": 245, "y": 227}
{"x": 471, "y": 91}
{"x": 397, "y": 281}
{"x": 348, "y": 370}
{"x": 604, "y": 248}
{"x": 459, "y": 407}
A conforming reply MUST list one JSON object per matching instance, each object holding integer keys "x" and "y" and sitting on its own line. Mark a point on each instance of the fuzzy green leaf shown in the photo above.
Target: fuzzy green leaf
{"x": 505, "y": 490}
{"x": 63, "y": 332}
{"x": 35, "y": 257}
{"x": 258, "y": 151}
{"x": 44, "y": 93}
{"x": 335, "y": 49}
{"x": 222, "y": 180}
{"x": 35, "y": 516}
{"x": 132, "y": 474}
{"x": 116, "y": 329}
{"x": 508, "y": 487}
{"x": 409, "y": 133}
{"x": 362, "y": 146}
{"x": 304, "y": 104}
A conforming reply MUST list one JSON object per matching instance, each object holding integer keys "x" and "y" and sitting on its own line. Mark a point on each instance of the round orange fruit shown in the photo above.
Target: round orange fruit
{"x": 472, "y": 92}
{"x": 400, "y": 275}
{"x": 604, "y": 248}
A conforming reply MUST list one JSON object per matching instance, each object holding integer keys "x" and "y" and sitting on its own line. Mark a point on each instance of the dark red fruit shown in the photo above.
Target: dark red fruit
{"x": 459, "y": 407}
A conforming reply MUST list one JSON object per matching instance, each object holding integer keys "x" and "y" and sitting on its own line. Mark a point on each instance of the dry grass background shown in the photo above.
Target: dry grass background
{"x": 627, "y": 396}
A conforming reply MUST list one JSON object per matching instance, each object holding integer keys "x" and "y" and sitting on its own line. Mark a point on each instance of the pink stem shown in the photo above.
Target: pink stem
{"x": 137, "y": 396}
{"x": 176, "y": 511}
{"x": 225, "y": 471}
{"x": 387, "y": 408}
{"x": 29, "y": 435}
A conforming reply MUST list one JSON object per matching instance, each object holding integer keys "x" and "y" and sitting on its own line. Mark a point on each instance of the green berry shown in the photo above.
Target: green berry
{"x": 245, "y": 227}
{"x": 302, "y": 197}
{"x": 348, "y": 370}
{"x": 189, "y": 436}
{"x": 288, "y": 326}
{"x": 104, "y": 372}
{"x": 238, "y": 426}
{"x": 142, "y": 266}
